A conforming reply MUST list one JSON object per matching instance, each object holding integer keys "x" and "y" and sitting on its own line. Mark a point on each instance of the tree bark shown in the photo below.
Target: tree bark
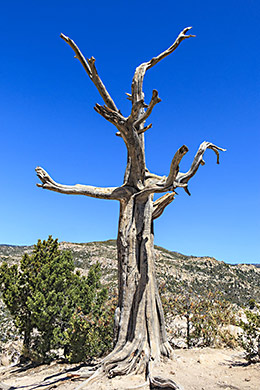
{"x": 141, "y": 331}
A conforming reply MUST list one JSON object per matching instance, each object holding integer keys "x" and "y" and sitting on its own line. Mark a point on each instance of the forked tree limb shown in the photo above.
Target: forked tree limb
{"x": 179, "y": 179}
{"x": 155, "y": 99}
{"x": 166, "y": 184}
{"x": 176, "y": 179}
{"x": 90, "y": 68}
{"x": 110, "y": 115}
{"x": 135, "y": 144}
{"x": 183, "y": 178}
{"x": 114, "y": 193}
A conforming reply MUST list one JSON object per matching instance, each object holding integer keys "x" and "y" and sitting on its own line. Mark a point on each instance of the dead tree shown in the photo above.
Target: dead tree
{"x": 141, "y": 336}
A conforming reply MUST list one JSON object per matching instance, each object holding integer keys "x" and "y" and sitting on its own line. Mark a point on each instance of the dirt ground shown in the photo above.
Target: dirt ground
{"x": 195, "y": 369}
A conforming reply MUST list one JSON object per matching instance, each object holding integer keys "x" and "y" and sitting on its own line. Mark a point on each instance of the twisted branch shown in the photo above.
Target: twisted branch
{"x": 137, "y": 95}
{"x": 183, "y": 178}
{"x": 166, "y": 184}
{"x": 90, "y": 68}
{"x": 114, "y": 193}
{"x": 137, "y": 83}
{"x": 176, "y": 179}
{"x": 173, "y": 47}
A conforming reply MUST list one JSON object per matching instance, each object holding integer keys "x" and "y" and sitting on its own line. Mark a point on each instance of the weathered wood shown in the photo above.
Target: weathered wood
{"x": 114, "y": 193}
{"x": 183, "y": 178}
{"x": 155, "y": 99}
{"x": 160, "y": 204}
{"x": 137, "y": 83}
{"x": 140, "y": 335}
{"x": 90, "y": 68}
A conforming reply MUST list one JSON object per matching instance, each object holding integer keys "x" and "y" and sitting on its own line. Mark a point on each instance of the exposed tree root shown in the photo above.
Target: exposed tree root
{"x": 160, "y": 383}
{"x": 98, "y": 374}
{"x": 120, "y": 363}
{"x": 83, "y": 373}
{"x": 157, "y": 382}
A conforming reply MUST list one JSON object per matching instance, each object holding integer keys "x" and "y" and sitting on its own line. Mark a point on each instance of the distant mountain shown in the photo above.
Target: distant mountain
{"x": 238, "y": 283}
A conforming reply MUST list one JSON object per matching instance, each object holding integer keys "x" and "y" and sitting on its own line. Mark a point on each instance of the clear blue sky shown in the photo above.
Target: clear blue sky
{"x": 209, "y": 89}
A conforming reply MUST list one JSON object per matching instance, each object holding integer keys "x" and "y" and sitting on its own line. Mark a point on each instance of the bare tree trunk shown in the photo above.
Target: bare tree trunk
{"x": 141, "y": 330}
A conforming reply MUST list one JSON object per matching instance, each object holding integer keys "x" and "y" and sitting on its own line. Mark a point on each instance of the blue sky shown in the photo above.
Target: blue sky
{"x": 209, "y": 89}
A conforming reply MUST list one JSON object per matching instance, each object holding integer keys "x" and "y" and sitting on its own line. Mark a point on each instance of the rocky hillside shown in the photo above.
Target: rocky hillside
{"x": 238, "y": 283}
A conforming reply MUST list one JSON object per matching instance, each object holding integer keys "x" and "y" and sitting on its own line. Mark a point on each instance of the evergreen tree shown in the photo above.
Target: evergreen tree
{"x": 43, "y": 294}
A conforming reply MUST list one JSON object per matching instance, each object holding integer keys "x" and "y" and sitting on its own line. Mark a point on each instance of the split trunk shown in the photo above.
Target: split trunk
{"x": 139, "y": 319}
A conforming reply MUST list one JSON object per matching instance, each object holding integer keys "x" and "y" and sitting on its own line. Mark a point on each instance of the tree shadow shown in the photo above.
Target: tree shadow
{"x": 50, "y": 380}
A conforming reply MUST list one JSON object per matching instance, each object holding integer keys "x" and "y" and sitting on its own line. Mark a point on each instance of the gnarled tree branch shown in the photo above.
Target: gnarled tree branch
{"x": 110, "y": 112}
{"x": 173, "y": 47}
{"x": 138, "y": 116}
{"x": 155, "y": 99}
{"x": 90, "y": 68}
{"x": 114, "y": 193}
{"x": 175, "y": 178}
{"x": 183, "y": 178}
{"x": 166, "y": 184}
{"x": 137, "y": 83}
{"x": 174, "y": 169}
{"x": 110, "y": 115}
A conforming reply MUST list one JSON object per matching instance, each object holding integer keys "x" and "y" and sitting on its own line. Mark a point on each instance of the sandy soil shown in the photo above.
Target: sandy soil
{"x": 196, "y": 369}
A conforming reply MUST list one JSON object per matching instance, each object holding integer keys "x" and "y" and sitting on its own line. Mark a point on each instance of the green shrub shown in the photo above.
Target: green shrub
{"x": 43, "y": 293}
{"x": 250, "y": 340}
{"x": 90, "y": 335}
{"x": 204, "y": 316}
